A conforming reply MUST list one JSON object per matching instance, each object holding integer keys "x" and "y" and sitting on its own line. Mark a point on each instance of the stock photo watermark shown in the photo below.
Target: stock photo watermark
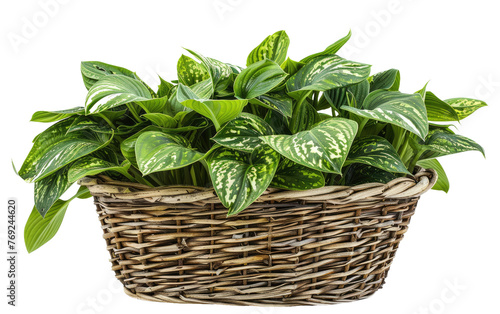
{"x": 488, "y": 86}
{"x": 223, "y": 7}
{"x": 102, "y": 299}
{"x": 450, "y": 293}
{"x": 32, "y": 24}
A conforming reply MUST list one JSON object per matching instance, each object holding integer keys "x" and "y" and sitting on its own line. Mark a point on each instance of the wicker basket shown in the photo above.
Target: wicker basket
{"x": 321, "y": 246}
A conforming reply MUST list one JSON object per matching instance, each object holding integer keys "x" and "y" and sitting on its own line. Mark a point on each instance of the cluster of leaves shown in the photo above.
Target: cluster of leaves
{"x": 282, "y": 123}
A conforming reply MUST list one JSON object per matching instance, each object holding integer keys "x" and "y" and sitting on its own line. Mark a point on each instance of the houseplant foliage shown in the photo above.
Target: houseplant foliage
{"x": 278, "y": 122}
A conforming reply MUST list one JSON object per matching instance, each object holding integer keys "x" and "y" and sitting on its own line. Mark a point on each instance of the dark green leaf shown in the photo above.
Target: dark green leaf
{"x": 292, "y": 176}
{"x": 49, "y": 189}
{"x": 276, "y": 101}
{"x": 361, "y": 173}
{"x": 258, "y": 79}
{"x": 388, "y": 80}
{"x": 91, "y": 166}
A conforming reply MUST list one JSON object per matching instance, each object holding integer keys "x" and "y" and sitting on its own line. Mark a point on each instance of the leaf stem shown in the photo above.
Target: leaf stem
{"x": 111, "y": 124}
{"x": 134, "y": 113}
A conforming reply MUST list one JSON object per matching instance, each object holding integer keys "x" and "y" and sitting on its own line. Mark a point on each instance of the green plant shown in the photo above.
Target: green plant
{"x": 278, "y": 122}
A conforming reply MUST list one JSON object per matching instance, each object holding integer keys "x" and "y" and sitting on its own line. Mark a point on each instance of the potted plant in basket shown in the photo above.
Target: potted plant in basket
{"x": 282, "y": 183}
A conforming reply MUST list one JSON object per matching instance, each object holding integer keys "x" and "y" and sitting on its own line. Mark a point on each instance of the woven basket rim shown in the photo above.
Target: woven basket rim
{"x": 399, "y": 188}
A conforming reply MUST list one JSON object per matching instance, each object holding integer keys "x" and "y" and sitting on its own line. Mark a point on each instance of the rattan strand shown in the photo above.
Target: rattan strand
{"x": 321, "y": 246}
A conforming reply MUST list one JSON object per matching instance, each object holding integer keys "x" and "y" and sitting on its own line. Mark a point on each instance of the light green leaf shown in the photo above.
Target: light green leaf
{"x": 39, "y": 230}
{"x": 158, "y": 151}
{"x": 291, "y": 67}
{"x": 243, "y": 133}
{"x": 275, "y": 101}
{"x": 49, "y": 189}
{"x": 403, "y": 110}
{"x": 292, "y": 176}
{"x": 274, "y": 48}
{"x": 438, "y": 110}
{"x": 91, "y": 166}
{"x": 161, "y": 120}
{"x": 324, "y": 147}
{"x": 327, "y": 72}
{"x": 190, "y": 72}
{"x": 165, "y": 88}
{"x": 376, "y": 151}
{"x": 219, "y": 72}
{"x": 240, "y": 178}
{"x": 53, "y": 116}
{"x": 155, "y": 105}
{"x": 92, "y": 71}
{"x": 330, "y": 50}
{"x": 442, "y": 183}
{"x": 258, "y": 79}
{"x": 388, "y": 80}
{"x": 464, "y": 107}
{"x": 54, "y": 148}
{"x": 127, "y": 146}
{"x": 115, "y": 90}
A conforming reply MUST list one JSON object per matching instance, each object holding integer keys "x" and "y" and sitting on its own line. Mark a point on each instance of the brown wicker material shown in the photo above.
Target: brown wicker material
{"x": 321, "y": 246}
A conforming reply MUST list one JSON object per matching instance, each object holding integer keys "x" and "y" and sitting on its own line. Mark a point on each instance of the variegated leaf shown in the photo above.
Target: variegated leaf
{"x": 158, "y": 151}
{"x": 219, "y": 72}
{"x": 240, "y": 178}
{"x": 190, "y": 72}
{"x": 127, "y": 146}
{"x": 115, "y": 90}
{"x": 274, "y": 48}
{"x": 92, "y": 71}
{"x": 442, "y": 142}
{"x": 84, "y": 123}
{"x": 438, "y": 110}
{"x": 403, "y": 110}
{"x": 53, "y": 116}
{"x": 275, "y": 101}
{"x": 54, "y": 148}
{"x": 361, "y": 173}
{"x": 161, "y": 120}
{"x": 292, "y": 176}
{"x": 243, "y": 133}
{"x": 49, "y": 189}
{"x": 376, "y": 151}
{"x": 39, "y": 230}
{"x": 327, "y": 72}
{"x": 324, "y": 147}
{"x": 330, "y": 50}
{"x": 388, "y": 80}
{"x": 442, "y": 183}
{"x": 464, "y": 107}
{"x": 258, "y": 79}
{"x": 91, "y": 166}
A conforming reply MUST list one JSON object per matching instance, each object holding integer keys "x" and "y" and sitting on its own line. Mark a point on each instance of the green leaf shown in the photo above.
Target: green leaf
{"x": 330, "y": 50}
{"x": 165, "y": 88}
{"x": 84, "y": 123}
{"x": 219, "y": 111}
{"x": 49, "y": 189}
{"x": 275, "y": 101}
{"x": 155, "y": 105}
{"x": 258, "y": 79}
{"x": 403, "y": 110}
{"x": 243, "y": 133}
{"x": 190, "y": 72}
{"x": 219, "y": 72}
{"x": 442, "y": 142}
{"x": 158, "y": 151}
{"x": 54, "y": 148}
{"x": 274, "y": 48}
{"x": 324, "y": 147}
{"x": 376, "y": 151}
{"x": 240, "y": 178}
{"x": 361, "y": 173}
{"x": 442, "y": 183}
{"x": 338, "y": 97}
{"x": 161, "y": 120}
{"x": 292, "y": 176}
{"x": 291, "y": 67}
{"x": 39, "y": 230}
{"x": 91, "y": 166}
{"x": 92, "y": 71}
{"x": 115, "y": 90}
{"x": 438, "y": 110}
{"x": 303, "y": 118}
{"x": 388, "y": 80}
{"x": 127, "y": 146}
{"x": 464, "y": 107}
{"x": 53, "y": 116}
{"x": 327, "y": 72}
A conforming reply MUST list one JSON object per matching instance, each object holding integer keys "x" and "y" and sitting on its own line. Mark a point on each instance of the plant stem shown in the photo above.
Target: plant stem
{"x": 138, "y": 177}
{"x": 414, "y": 161}
{"x": 111, "y": 124}
{"x": 361, "y": 126}
{"x": 134, "y": 113}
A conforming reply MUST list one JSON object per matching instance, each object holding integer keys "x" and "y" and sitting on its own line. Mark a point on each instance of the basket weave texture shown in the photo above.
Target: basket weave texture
{"x": 320, "y": 246}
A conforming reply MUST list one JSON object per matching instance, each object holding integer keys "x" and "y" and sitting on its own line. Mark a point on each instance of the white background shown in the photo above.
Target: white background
{"x": 453, "y": 239}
